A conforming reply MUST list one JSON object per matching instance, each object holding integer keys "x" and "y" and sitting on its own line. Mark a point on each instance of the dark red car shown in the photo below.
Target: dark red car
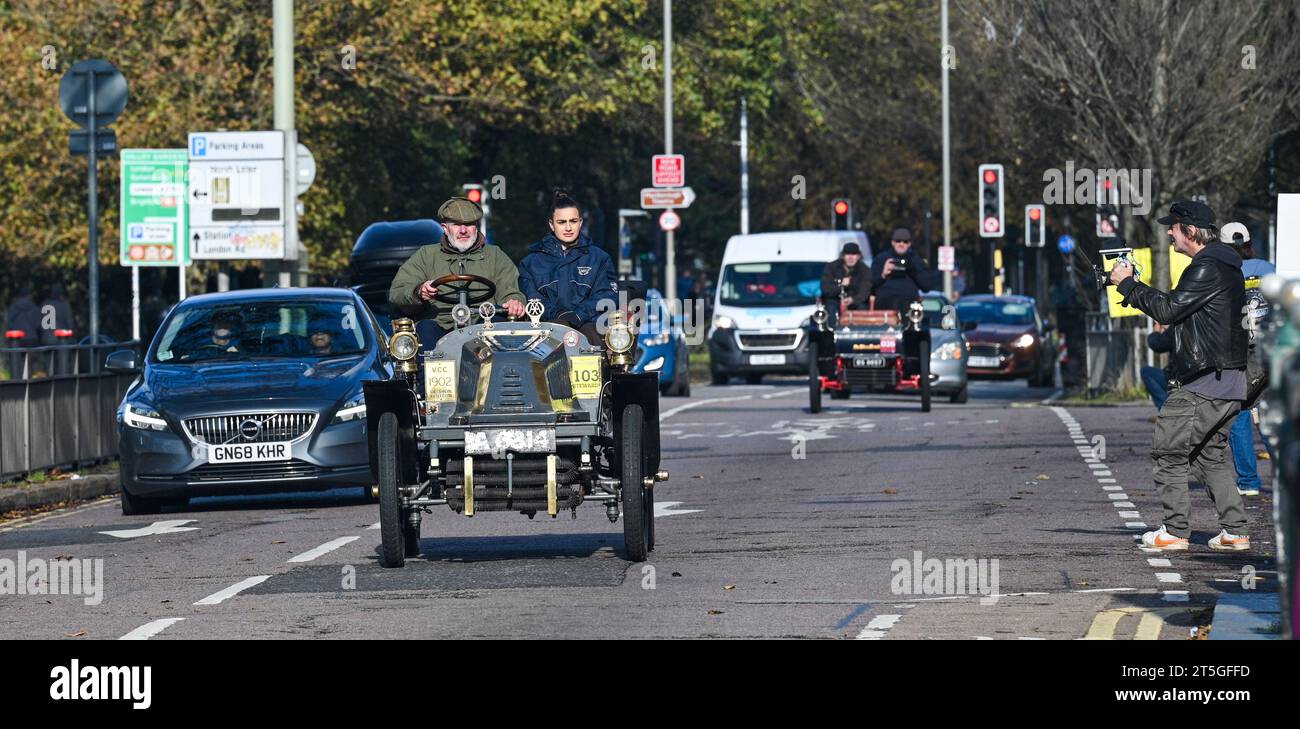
{"x": 1008, "y": 339}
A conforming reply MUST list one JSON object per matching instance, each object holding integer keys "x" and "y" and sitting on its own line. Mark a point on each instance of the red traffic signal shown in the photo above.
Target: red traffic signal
{"x": 990, "y": 176}
{"x": 1035, "y": 213}
{"x": 992, "y": 219}
{"x": 841, "y": 207}
{"x": 841, "y": 214}
{"x": 474, "y": 194}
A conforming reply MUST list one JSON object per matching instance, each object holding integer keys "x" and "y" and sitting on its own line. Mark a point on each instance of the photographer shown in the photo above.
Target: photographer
{"x": 900, "y": 274}
{"x": 846, "y": 276}
{"x": 1207, "y": 370}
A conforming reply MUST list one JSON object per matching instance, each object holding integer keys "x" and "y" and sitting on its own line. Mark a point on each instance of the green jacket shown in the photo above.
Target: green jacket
{"x": 434, "y": 261}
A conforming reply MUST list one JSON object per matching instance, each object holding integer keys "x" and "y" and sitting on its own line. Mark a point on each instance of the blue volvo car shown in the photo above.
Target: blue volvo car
{"x": 247, "y": 392}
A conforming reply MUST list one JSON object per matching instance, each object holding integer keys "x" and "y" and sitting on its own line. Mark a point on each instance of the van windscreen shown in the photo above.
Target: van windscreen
{"x": 775, "y": 283}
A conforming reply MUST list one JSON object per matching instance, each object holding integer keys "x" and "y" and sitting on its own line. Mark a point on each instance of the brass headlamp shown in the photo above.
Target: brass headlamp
{"x": 404, "y": 345}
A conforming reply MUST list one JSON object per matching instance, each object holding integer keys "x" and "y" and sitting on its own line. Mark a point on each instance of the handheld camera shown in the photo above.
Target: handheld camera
{"x": 1117, "y": 255}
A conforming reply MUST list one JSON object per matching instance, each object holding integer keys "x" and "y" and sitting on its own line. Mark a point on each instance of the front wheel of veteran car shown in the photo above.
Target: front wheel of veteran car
{"x": 636, "y": 530}
{"x": 814, "y": 381}
{"x": 136, "y": 505}
{"x": 392, "y": 527}
{"x": 924, "y": 380}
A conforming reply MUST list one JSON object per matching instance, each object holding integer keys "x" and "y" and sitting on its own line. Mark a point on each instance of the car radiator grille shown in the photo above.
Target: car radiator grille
{"x": 860, "y": 377}
{"x": 275, "y": 427}
{"x": 766, "y": 341}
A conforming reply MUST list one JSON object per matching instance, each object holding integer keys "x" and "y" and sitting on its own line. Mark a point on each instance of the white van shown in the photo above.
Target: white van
{"x": 767, "y": 289}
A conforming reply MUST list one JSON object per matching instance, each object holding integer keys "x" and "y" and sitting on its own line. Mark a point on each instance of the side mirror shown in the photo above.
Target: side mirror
{"x": 967, "y": 326}
{"x": 122, "y": 362}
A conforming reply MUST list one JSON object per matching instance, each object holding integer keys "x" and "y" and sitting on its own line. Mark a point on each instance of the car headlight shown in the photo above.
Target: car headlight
{"x": 619, "y": 339}
{"x": 1022, "y": 341}
{"x": 653, "y": 365}
{"x": 723, "y": 322}
{"x": 142, "y": 417}
{"x": 352, "y": 409}
{"x": 403, "y": 345}
{"x": 951, "y": 350}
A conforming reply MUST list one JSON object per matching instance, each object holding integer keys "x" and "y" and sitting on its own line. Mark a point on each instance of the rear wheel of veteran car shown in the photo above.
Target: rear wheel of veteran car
{"x": 924, "y": 379}
{"x": 136, "y": 505}
{"x": 814, "y": 381}
{"x": 392, "y": 527}
{"x": 636, "y": 528}
{"x": 961, "y": 396}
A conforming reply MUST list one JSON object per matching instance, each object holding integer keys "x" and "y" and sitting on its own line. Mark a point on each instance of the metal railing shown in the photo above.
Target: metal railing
{"x": 61, "y": 410}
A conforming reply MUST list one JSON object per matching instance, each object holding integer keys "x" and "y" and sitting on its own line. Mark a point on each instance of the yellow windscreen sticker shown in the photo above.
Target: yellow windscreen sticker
{"x": 584, "y": 373}
{"x": 439, "y": 380}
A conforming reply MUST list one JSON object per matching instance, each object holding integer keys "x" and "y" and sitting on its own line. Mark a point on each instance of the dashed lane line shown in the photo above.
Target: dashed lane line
{"x": 325, "y": 548}
{"x": 217, "y": 598}
{"x": 149, "y": 630}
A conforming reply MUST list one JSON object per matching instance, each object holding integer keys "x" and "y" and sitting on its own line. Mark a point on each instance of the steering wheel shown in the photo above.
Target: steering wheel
{"x": 476, "y": 289}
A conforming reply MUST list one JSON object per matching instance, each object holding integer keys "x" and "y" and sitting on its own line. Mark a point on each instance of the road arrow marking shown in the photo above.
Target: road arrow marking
{"x": 171, "y": 526}
{"x": 666, "y": 509}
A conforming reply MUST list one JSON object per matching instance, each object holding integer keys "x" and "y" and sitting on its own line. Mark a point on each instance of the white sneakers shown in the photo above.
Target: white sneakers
{"x": 1164, "y": 541}
{"x": 1225, "y": 542}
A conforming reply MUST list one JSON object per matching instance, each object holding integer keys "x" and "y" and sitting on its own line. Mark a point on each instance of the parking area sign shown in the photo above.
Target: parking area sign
{"x": 153, "y": 212}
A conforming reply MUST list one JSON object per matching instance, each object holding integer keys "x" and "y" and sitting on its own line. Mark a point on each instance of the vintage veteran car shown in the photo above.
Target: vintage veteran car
{"x": 513, "y": 416}
{"x": 869, "y": 351}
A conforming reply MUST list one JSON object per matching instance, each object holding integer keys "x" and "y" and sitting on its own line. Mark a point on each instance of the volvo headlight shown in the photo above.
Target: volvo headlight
{"x": 951, "y": 350}
{"x": 142, "y": 417}
{"x": 354, "y": 408}
{"x": 1022, "y": 341}
{"x": 721, "y": 321}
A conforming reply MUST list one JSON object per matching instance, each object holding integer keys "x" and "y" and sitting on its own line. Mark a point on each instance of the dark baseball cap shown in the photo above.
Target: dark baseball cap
{"x": 902, "y": 234}
{"x": 851, "y": 248}
{"x": 1189, "y": 212}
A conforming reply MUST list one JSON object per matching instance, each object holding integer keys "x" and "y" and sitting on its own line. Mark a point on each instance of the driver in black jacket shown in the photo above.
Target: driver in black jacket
{"x": 1207, "y": 370}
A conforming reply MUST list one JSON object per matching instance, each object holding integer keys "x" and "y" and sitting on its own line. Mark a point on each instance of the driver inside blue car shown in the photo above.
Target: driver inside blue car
{"x": 424, "y": 288}
{"x": 567, "y": 273}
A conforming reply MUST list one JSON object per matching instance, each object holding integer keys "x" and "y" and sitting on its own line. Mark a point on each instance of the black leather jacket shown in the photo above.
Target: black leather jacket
{"x": 859, "y": 287}
{"x": 1204, "y": 312}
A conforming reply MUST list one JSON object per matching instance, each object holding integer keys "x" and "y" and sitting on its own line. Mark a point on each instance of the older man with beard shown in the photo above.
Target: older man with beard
{"x": 463, "y": 250}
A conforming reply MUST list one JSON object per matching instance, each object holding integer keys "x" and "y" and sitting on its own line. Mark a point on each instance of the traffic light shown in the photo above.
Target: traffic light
{"x": 1107, "y": 208}
{"x": 473, "y": 192}
{"x": 841, "y": 214}
{"x": 477, "y": 194}
{"x": 992, "y": 224}
{"x": 1035, "y": 226}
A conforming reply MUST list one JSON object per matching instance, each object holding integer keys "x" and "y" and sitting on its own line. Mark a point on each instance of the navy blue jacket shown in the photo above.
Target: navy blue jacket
{"x": 574, "y": 280}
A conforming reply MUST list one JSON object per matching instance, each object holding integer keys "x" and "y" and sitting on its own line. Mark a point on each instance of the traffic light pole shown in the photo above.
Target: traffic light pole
{"x": 670, "y": 259}
{"x": 947, "y": 197}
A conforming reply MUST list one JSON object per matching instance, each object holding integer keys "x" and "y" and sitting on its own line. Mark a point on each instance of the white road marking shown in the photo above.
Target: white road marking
{"x": 373, "y": 526}
{"x": 1175, "y": 596}
{"x": 149, "y": 630}
{"x": 682, "y": 408}
{"x": 1097, "y": 466}
{"x": 325, "y": 548}
{"x": 170, "y": 526}
{"x": 1135, "y": 524}
{"x": 783, "y": 393}
{"x": 1112, "y": 488}
{"x": 666, "y": 509}
{"x": 1159, "y": 562}
{"x": 1110, "y": 589}
{"x": 878, "y": 626}
{"x": 217, "y": 598}
{"x": 1125, "y": 505}
{"x": 1105, "y": 480}
{"x": 1118, "y": 496}
{"x": 1168, "y": 577}
{"x": 1130, "y": 515}
{"x": 692, "y": 435}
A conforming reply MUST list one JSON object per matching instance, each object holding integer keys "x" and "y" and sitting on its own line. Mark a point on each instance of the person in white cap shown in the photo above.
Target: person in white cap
{"x": 1242, "y": 437}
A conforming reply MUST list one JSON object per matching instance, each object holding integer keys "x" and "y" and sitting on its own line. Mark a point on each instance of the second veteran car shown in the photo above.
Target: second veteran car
{"x": 522, "y": 416}
{"x": 256, "y": 391}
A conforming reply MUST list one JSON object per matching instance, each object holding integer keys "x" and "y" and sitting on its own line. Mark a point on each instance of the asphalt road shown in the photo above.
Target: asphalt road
{"x": 775, "y": 523}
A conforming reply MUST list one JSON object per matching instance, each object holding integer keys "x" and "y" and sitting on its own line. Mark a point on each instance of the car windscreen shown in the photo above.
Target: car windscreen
{"x": 262, "y": 329}
{"x": 995, "y": 312}
{"x": 933, "y": 307}
{"x": 778, "y": 283}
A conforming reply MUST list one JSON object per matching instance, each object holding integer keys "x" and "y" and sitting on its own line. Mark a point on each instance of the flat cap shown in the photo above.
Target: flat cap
{"x": 460, "y": 210}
